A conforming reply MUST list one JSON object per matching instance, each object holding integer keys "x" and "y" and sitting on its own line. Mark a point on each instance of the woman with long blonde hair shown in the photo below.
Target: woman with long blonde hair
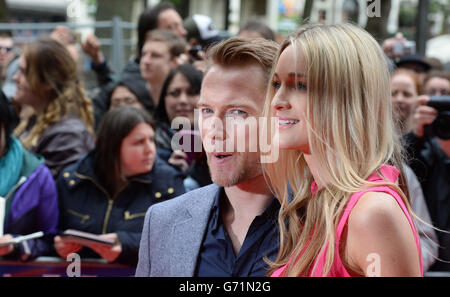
{"x": 344, "y": 211}
{"x": 47, "y": 80}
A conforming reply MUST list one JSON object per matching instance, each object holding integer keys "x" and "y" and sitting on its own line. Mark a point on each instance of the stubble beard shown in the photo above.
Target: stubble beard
{"x": 243, "y": 171}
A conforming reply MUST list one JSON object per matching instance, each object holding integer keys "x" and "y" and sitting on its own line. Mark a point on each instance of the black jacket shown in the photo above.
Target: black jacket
{"x": 86, "y": 206}
{"x": 64, "y": 143}
{"x": 432, "y": 167}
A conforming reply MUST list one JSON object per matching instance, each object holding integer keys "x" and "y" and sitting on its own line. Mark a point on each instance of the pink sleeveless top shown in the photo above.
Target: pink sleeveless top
{"x": 338, "y": 269}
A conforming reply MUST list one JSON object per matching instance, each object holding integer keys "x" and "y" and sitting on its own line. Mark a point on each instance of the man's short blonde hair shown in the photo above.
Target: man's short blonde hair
{"x": 237, "y": 51}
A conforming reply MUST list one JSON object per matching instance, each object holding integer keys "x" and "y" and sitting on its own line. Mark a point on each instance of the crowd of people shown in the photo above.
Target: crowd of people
{"x": 362, "y": 165}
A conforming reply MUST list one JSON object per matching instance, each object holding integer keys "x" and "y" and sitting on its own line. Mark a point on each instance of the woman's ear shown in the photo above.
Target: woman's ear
{"x": 46, "y": 87}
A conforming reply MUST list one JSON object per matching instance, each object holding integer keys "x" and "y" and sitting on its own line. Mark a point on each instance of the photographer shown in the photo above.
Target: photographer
{"x": 437, "y": 83}
{"x": 402, "y": 53}
{"x": 429, "y": 150}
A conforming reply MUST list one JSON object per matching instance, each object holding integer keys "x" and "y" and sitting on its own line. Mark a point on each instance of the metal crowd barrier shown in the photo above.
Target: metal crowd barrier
{"x": 116, "y": 41}
{"x": 57, "y": 267}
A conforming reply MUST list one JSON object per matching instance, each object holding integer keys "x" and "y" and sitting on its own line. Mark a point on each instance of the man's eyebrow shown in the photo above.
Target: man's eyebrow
{"x": 238, "y": 106}
{"x": 228, "y": 106}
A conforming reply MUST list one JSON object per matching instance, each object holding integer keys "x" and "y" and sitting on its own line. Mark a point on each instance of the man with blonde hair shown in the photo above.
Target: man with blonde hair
{"x": 229, "y": 227}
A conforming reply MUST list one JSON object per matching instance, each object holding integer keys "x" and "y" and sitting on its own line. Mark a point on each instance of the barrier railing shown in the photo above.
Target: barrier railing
{"x": 116, "y": 42}
{"x": 57, "y": 267}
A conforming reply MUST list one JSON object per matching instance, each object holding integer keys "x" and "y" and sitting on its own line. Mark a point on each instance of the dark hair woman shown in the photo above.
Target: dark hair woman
{"x": 179, "y": 97}
{"x": 109, "y": 191}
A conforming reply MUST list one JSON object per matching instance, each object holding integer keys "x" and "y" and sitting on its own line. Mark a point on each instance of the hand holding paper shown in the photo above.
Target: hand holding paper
{"x": 71, "y": 241}
{"x": 108, "y": 252}
{"x": 64, "y": 247}
{"x": 6, "y": 245}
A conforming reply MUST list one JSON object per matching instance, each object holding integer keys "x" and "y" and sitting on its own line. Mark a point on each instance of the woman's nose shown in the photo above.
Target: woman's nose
{"x": 279, "y": 102}
{"x": 148, "y": 147}
{"x": 183, "y": 97}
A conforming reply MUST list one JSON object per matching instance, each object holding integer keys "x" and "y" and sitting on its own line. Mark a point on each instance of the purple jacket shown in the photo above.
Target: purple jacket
{"x": 34, "y": 207}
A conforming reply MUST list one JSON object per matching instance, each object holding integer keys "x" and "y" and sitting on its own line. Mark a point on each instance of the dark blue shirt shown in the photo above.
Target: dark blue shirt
{"x": 217, "y": 258}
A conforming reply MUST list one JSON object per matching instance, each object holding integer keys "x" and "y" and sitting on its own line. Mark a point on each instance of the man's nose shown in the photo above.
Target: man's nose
{"x": 213, "y": 134}
{"x": 182, "y": 32}
{"x": 398, "y": 98}
{"x": 217, "y": 129}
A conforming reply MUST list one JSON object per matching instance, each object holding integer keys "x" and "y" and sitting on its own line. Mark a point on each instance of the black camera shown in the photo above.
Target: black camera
{"x": 193, "y": 52}
{"x": 441, "y": 125}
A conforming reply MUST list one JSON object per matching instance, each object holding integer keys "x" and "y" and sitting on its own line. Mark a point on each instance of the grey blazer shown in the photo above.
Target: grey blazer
{"x": 173, "y": 233}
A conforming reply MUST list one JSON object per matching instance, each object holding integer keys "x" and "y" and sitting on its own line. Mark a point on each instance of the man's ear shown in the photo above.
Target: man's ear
{"x": 174, "y": 62}
{"x": 179, "y": 60}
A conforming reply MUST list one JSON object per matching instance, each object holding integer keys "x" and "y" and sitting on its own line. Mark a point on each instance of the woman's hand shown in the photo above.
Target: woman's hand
{"x": 107, "y": 252}
{"x": 178, "y": 158}
{"x": 6, "y": 250}
{"x": 64, "y": 247}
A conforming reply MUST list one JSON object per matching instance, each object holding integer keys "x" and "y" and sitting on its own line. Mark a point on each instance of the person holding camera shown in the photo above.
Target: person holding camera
{"x": 405, "y": 90}
{"x": 428, "y": 145}
{"x": 437, "y": 83}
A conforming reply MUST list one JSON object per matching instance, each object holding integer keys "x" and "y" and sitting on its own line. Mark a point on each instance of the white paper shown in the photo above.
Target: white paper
{"x": 2, "y": 214}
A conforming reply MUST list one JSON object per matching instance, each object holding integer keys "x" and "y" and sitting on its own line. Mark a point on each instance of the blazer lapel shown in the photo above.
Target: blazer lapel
{"x": 188, "y": 232}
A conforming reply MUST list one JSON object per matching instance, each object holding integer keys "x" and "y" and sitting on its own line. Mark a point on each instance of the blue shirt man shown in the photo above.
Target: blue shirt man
{"x": 184, "y": 237}
{"x": 217, "y": 257}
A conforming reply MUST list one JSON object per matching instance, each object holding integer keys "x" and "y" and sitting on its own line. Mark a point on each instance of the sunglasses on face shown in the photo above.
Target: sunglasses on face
{"x": 7, "y": 48}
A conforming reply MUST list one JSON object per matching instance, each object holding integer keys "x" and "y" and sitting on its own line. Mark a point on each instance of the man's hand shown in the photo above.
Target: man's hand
{"x": 423, "y": 115}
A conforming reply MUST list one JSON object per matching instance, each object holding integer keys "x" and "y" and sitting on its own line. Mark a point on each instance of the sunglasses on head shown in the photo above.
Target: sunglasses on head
{"x": 7, "y": 48}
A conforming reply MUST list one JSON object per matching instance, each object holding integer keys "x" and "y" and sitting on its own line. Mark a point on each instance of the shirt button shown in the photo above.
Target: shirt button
{"x": 170, "y": 190}
{"x": 66, "y": 174}
{"x": 72, "y": 182}
{"x": 158, "y": 195}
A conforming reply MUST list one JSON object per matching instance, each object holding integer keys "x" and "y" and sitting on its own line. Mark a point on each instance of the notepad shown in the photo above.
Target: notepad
{"x": 84, "y": 238}
{"x": 3, "y": 202}
{"x": 21, "y": 238}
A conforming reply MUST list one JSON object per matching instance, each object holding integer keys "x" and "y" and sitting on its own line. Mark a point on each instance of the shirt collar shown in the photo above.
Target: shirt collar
{"x": 270, "y": 213}
{"x": 215, "y": 212}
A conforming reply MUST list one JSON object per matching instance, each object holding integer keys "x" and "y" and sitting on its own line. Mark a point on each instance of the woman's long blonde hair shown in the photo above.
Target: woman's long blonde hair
{"x": 52, "y": 74}
{"x": 351, "y": 134}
